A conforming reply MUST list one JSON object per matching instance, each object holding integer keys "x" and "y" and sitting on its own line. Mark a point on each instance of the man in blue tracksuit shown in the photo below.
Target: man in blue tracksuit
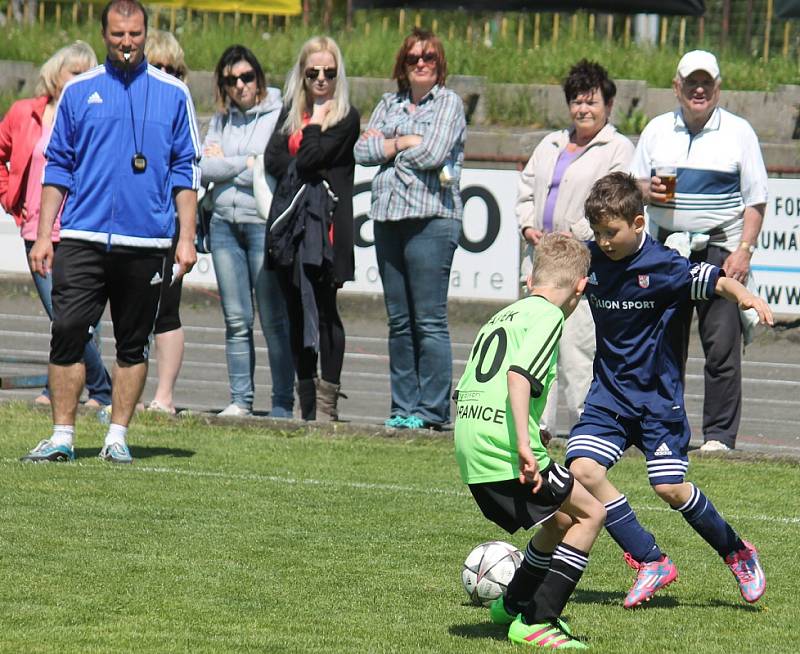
{"x": 124, "y": 148}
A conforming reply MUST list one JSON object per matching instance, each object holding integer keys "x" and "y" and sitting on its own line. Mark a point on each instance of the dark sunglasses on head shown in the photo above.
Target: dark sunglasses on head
{"x": 428, "y": 58}
{"x": 313, "y": 73}
{"x": 169, "y": 70}
{"x": 230, "y": 80}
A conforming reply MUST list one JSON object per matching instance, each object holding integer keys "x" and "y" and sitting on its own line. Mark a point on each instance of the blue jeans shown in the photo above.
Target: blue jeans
{"x": 98, "y": 381}
{"x": 414, "y": 258}
{"x": 237, "y": 250}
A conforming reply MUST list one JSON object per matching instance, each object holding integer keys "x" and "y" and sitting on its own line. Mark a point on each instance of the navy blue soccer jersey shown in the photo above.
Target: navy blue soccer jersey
{"x": 636, "y": 372}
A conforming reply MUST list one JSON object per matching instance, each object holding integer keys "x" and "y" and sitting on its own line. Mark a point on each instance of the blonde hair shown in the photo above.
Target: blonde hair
{"x": 295, "y": 96}
{"x": 79, "y": 53}
{"x": 162, "y": 47}
{"x": 559, "y": 261}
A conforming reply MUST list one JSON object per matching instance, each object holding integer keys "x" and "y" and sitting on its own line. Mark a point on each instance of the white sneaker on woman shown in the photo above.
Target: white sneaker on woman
{"x": 233, "y": 410}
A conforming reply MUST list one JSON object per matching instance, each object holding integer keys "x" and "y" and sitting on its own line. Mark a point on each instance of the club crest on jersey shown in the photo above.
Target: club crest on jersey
{"x": 644, "y": 281}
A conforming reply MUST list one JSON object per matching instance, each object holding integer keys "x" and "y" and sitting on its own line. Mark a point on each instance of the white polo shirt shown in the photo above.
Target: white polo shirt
{"x": 720, "y": 172}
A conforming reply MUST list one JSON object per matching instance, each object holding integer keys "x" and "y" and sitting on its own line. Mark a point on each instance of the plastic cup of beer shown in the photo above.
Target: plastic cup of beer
{"x": 668, "y": 174}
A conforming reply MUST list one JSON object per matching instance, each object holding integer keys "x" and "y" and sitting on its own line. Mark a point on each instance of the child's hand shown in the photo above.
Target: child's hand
{"x": 751, "y": 301}
{"x": 529, "y": 470}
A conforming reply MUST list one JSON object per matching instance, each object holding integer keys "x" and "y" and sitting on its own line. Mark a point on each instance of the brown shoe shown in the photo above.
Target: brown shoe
{"x": 328, "y": 399}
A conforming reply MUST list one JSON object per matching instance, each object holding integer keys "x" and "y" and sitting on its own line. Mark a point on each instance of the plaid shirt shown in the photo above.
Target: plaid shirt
{"x": 409, "y": 186}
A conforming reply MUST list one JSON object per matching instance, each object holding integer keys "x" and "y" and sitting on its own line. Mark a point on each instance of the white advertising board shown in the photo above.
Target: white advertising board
{"x": 776, "y": 261}
{"x": 486, "y": 263}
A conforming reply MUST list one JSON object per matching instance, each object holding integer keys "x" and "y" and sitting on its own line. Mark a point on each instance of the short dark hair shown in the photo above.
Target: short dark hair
{"x": 585, "y": 77}
{"x": 617, "y": 195}
{"x": 233, "y": 55}
{"x": 419, "y": 35}
{"x": 124, "y": 7}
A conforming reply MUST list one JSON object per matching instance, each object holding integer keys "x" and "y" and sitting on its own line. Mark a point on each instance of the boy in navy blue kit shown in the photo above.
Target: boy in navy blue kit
{"x": 636, "y": 398}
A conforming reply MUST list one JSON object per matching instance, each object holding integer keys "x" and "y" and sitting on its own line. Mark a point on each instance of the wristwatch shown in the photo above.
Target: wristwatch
{"x": 744, "y": 245}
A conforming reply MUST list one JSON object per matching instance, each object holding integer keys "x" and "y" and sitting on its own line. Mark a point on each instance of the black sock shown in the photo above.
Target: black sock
{"x": 526, "y": 579}
{"x": 550, "y": 599}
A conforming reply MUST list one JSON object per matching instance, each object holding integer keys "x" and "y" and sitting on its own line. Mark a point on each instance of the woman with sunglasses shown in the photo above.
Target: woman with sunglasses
{"x": 24, "y": 134}
{"x": 246, "y": 117}
{"x": 163, "y": 51}
{"x": 317, "y": 131}
{"x": 416, "y": 136}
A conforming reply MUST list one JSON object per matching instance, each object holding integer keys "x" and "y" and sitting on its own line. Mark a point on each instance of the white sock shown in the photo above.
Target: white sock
{"x": 116, "y": 434}
{"x": 63, "y": 435}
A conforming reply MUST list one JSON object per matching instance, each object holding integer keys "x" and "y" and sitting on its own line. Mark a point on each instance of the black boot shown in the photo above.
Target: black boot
{"x": 307, "y": 392}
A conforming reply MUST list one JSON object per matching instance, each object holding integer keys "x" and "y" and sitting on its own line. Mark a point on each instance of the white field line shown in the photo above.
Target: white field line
{"x": 355, "y": 485}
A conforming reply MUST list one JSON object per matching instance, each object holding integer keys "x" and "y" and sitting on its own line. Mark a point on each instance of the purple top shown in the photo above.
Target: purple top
{"x": 563, "y": 162}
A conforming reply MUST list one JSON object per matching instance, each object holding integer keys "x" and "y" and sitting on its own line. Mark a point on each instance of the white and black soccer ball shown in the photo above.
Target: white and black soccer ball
{"x": 488, "y": 569}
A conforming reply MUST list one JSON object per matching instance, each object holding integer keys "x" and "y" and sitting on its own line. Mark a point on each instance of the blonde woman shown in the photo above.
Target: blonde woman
{"x": 24, "y": 134}
{"x": 163, "y": 51}
{"x": 314, "y": 143}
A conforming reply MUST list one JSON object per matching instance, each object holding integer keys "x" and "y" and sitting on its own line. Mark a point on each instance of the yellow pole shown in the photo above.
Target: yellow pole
{"x": 41, "y": 12}
{"x": 610, "y": 27}
{"x": 662, "y": 41}
{"x": 401, "y": 21}
{"x": 682, "y": 35}
{"x": 74, "y": 13}
{"x": 556, "y": 22}
{"x": 537, "y": 28}
{"x": 521, "y": 30}
{"x": 767, "y": 27}
{"x": 173, "y": 19}
{"x": 786, "y": 30}
{"x": 590, "y": 29}
{"x": 573, "y": 27}
{"x": 626, "y": 39}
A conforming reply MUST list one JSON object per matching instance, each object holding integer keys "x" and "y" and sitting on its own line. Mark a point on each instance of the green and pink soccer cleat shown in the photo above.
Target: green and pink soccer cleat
{"x": 650, "y": 578}
{"x": 546, "y": 636}
{"x": 499, "y": 615}
{"x": 747, "y": 569}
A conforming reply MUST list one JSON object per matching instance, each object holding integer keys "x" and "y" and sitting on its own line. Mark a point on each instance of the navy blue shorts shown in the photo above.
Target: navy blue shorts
{"x": 602, "y": 435}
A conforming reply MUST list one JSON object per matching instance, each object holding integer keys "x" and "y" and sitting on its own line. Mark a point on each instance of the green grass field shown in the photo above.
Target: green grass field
{"x": 233, "y": 538}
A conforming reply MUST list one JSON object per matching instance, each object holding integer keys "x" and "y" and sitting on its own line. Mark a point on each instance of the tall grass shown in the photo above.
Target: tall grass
{"x": 372, "y": 55}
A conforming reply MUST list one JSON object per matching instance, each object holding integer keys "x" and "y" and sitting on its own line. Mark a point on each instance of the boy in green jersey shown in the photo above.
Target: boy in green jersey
{"x": 503, "y": 458}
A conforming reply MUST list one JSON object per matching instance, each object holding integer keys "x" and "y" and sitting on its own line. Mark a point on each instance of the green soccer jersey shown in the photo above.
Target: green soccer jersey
{"x": 522, "y": 337}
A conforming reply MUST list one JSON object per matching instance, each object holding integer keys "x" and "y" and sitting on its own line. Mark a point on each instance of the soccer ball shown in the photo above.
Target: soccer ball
{"x": 488, "y": 570}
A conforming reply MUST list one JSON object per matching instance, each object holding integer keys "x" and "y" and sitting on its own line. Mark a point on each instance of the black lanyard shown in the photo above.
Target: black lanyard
{"x": 139, "y": 161}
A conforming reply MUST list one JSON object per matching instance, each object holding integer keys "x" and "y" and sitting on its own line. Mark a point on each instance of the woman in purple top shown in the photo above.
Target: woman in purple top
{"x": 552, "y": 190}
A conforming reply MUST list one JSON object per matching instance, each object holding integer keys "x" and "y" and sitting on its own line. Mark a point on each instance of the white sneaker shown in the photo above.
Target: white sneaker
{"x": 233, "y": 410}
{"x": 714, "y": 446}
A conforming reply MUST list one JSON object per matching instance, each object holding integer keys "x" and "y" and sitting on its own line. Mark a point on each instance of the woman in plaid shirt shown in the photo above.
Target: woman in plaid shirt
{"x": 416, "y": 136}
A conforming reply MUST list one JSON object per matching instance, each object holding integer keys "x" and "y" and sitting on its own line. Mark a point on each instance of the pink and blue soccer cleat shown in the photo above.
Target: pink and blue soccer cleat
{"x": 650, "y": 578}
{"x": 747, "y": 569}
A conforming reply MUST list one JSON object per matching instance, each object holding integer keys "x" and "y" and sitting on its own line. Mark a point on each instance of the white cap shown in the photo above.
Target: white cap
{"x": 698, "y": 60}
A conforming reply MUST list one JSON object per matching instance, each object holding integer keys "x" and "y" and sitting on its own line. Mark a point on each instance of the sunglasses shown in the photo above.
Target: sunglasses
{"x": 427, "y": 58}
{"x": 169, "y": 70}
{"x": 249, "y": 76}
{"x": 313, "y": 73}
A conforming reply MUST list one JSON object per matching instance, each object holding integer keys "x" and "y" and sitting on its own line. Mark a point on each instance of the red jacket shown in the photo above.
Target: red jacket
{"x": 20, "y": 130}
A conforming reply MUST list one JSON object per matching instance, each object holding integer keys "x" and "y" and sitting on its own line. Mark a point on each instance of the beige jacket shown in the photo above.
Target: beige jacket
{"x": 608, "y": 152}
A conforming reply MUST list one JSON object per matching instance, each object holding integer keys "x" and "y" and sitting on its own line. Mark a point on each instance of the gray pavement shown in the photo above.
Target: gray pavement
{"x": 771, "y": 414}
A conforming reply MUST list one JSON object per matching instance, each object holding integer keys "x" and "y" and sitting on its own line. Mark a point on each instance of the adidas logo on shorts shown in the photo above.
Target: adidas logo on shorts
{"x": 663, "y": 450}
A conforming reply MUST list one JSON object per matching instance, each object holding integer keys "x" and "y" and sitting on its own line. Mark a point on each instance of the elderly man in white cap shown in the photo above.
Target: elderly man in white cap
{"x": 716, "y": 211}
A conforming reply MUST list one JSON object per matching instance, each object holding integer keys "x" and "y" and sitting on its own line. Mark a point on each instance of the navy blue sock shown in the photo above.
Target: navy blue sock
{"x": 704, "y": 518}
{"x": 627, "y": 531}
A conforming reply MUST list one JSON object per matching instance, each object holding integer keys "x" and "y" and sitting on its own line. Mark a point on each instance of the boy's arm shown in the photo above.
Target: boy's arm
{"x": 519, "y": 395}
{"x": 732, "y": 290}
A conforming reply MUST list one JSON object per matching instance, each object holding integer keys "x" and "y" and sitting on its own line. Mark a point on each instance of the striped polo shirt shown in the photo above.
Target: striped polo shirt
{"x": 720, "y": 172}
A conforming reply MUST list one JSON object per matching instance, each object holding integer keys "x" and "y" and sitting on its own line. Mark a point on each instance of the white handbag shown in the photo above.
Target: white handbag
{"x": 263, "y": 187}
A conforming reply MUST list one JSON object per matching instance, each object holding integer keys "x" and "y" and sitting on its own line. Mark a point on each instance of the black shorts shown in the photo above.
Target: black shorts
{"x": 86, "y": 276}
{"x": 169, "y": 318}
{"x": 512, "y": 505}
